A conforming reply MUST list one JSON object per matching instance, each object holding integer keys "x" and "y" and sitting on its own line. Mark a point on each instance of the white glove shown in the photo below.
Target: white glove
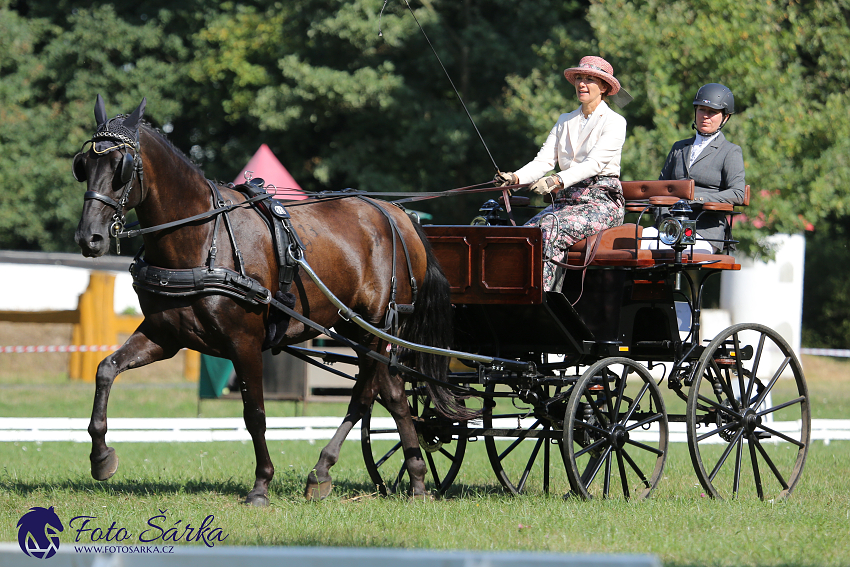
{"x": 547, "y": 185}
{"x": 505, "y": 178}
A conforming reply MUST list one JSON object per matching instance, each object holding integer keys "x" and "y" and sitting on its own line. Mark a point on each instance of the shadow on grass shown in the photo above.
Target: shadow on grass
{"x": 286, "y": 485}
{"x": 127, "y": 487}
{"x": 351, "y": 489}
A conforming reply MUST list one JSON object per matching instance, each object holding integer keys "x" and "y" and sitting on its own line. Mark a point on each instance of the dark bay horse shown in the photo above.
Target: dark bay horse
{"x": 348, "y": 242}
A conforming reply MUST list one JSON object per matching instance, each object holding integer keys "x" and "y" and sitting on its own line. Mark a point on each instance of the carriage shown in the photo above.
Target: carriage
{"x": 587, "y": 416}
{"x": 569, "y": 382}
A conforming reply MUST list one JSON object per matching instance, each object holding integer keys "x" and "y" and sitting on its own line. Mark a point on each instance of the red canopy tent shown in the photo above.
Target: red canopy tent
{"x": 264, "y": 164}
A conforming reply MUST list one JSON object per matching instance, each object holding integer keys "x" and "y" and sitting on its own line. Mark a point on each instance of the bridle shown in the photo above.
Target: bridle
{"x": 128, "y": 169}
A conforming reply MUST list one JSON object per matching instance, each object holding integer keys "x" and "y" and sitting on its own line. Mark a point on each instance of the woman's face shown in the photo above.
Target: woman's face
{"x": 708, "y": 119}
{"x": 589, "y": 89}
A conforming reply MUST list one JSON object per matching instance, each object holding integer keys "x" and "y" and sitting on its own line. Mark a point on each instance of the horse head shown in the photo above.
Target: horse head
{"x": 112, "y": 168}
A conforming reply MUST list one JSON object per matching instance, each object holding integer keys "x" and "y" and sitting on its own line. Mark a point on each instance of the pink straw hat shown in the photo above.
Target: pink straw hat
{"x": 596, "y": 67}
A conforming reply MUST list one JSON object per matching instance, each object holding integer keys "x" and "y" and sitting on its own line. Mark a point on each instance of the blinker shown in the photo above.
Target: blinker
{"x": 124, "y": 171}
{"x": 79, "y": 168}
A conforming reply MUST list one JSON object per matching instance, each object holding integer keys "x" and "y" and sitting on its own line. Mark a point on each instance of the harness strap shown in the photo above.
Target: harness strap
{"x": 284, "y": 236}
{"x": 193, "y": 281}
{"x": 220, "y": 202}
{"x": 102, "y": 198}
{"x": 200, "y": 216}
{"x": 393, "y": 308}
{"x": 279, "y": 222}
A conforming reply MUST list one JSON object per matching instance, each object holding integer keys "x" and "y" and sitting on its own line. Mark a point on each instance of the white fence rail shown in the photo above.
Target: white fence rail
{"x": 190, "y": 429}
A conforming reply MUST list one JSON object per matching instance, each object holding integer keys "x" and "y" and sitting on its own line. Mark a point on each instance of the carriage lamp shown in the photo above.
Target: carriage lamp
{"x": 490, "y": 216}
{"x": 678, "y": 231}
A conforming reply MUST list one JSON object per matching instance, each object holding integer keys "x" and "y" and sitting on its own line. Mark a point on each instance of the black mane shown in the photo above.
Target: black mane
{"x": 151, "y": 129}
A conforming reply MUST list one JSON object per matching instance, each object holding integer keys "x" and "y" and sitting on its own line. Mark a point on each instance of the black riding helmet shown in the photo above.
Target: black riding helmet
{"x": 718, "y": 97}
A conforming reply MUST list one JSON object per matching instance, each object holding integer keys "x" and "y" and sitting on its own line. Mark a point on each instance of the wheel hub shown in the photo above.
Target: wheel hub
{"x": 430, "y": 443}
{"x": 618, "y": 436}
{"x": 751, "y": 421}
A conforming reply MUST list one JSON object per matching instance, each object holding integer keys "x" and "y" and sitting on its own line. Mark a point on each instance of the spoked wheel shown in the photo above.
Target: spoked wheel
{"x": 442, "y": 448}
{"x": 524, "y": 444}
{"x": 615, "y": 431}
{"x": 748, "y": 390}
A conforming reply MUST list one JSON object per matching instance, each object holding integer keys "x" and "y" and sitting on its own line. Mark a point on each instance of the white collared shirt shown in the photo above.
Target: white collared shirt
{"x": 700, "y": 143}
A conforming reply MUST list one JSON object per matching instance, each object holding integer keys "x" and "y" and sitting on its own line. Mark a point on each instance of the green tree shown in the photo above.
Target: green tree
{"x": 57, "y": 57}
{"x": 348, "y": 96}
{"x": 345, "y": 96}
{"x": 783, "y": 61}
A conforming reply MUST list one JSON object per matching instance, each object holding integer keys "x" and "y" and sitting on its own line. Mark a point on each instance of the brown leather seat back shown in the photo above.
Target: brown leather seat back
{"x": 617, "y": 238}
{"x": 643, "y": 190}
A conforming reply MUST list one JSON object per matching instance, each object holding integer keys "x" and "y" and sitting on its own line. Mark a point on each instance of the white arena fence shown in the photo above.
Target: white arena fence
{"x": 198, "y": 430}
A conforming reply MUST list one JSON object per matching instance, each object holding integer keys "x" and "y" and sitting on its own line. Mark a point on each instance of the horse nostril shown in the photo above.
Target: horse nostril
{"x": 91, "y": 244}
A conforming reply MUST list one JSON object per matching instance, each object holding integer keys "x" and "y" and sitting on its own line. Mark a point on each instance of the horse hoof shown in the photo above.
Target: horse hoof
{"x": 258, "y": 500}
{"x": 318, "y": 491}
{"x": 104, "y": 468}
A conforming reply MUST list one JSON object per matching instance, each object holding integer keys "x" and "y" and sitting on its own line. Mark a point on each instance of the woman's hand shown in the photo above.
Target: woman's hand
{"x": 505, "y": 178}
{"x": 547, "y": 185}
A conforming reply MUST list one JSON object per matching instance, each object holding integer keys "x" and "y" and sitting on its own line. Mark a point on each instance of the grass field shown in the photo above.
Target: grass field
{"x": 171, "y": 485}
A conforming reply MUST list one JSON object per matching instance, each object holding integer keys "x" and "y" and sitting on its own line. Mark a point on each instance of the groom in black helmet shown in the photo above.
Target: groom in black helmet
{"x": 715, "y": 164}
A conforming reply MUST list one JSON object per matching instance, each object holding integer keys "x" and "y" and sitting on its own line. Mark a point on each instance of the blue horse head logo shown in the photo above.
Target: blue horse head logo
{"x": 38, "y": 532}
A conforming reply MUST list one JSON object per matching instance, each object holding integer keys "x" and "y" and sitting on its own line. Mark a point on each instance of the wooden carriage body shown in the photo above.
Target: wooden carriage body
{"x": 619, "y": 301}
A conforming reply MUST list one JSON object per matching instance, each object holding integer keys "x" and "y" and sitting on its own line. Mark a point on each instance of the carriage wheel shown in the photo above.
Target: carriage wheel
{"x": 615, "y": 425}
{"x": 521, "y": 456}
{"x": 443, "y": 451}
{"x": 748, "y": 390}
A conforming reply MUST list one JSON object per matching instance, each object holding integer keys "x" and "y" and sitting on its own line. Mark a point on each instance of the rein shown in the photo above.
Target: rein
{"x": 409, "y": 196}
{"x": 226, "y": 208}
{"x": 324, "y": 195}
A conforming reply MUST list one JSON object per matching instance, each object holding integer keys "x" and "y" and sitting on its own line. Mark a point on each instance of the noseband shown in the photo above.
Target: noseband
{"x": 110, "y": 137}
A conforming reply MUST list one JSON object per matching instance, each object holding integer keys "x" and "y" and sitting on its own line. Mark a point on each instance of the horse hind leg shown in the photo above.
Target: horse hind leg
{"x": 319, "y": 482}
{"x": 393, "y": 394}
{"x": 136, "y": 352}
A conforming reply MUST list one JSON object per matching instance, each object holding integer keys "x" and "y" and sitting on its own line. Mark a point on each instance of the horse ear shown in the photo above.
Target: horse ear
{"x": 100, "y": 111}
{"x": 132, "y": 120}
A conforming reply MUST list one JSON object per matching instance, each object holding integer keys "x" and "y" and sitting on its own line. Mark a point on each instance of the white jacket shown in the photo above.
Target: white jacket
{"x": 580, "y": 154}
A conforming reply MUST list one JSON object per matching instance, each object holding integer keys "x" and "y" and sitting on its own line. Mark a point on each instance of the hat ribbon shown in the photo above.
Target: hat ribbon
{"x": 589, "y": 66}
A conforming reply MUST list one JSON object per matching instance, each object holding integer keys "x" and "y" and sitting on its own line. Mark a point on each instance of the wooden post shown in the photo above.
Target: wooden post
{"x": 192, "y": 365}
{"x": 97, "y": 326}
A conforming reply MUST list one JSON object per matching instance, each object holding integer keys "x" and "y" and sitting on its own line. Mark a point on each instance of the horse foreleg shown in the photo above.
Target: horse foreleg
{"x": 138, "y": 351}
{"x": 319, "y": 483}
{"x": 395, "y": 400}
{"x": 249, "y": 370}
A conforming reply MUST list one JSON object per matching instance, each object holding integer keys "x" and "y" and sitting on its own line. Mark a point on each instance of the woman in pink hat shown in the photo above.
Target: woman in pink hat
{"x": 586, "y": 145}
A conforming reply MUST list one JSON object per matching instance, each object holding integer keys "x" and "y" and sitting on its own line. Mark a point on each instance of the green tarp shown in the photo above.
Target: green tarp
{"x": 215, "y": 373}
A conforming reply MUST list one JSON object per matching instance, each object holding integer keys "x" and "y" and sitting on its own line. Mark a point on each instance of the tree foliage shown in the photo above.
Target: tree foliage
{"x": 784, "y": 61}
{"x": 348, "y": 93}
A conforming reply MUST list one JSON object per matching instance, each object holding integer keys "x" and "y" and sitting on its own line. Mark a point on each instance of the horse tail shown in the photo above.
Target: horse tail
{"x": 431, "y": 324}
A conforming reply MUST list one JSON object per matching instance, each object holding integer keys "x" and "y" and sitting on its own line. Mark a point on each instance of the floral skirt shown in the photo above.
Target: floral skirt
{"x": 578, "y": 211}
